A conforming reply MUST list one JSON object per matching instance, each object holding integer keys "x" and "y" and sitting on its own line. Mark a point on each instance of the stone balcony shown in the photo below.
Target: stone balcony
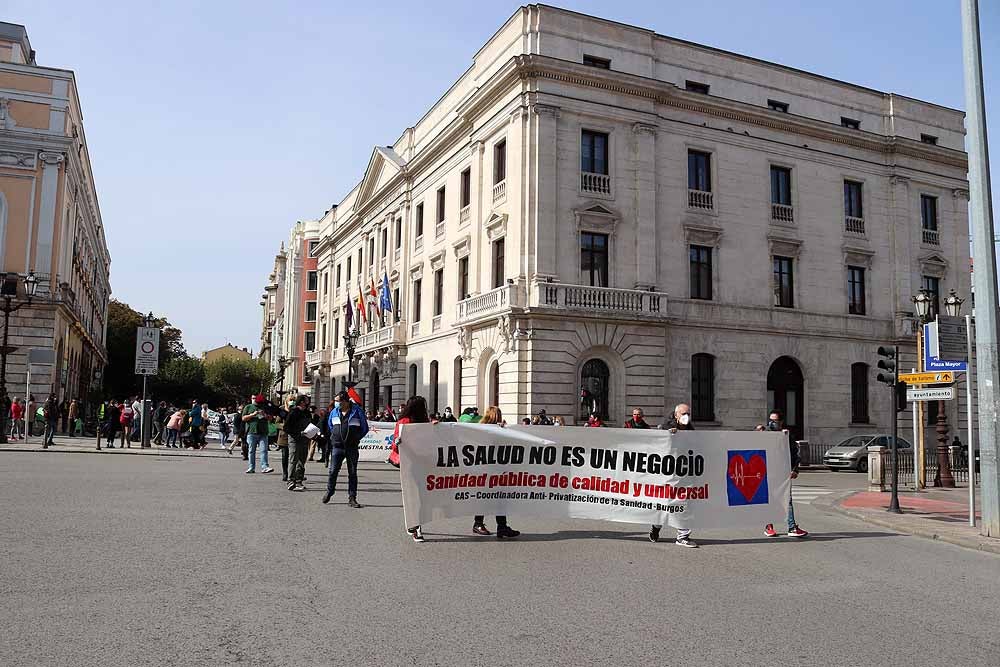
{"x": 394, "y": 334}
{"x": 490, "y": 304}
{"x": 318, "y": 358}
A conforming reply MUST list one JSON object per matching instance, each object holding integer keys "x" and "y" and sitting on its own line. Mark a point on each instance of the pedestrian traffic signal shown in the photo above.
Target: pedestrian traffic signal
{"x": 900, "y": 397}
{"x": 888, "y": 363}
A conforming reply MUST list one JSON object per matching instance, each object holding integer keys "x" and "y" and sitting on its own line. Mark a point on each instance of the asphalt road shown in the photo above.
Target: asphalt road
{"x": 144, "y": 560}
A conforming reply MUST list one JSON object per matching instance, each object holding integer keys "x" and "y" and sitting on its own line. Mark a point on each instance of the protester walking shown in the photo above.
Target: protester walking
{"x": 348, "y": 425}
{"x": 127, "y": 415}
{"x": 282, "y": 444}
{"x": 413, "y": 412}
{"x": 195, "y": 418}
{"x": 17, "y": 419}
{"x": 174, "y": 428}
{"x": 73, "y": 412}
{"x": 299, "y": 418}
{"x": 776, "y": 423}
{"x": 494, "y": 416}
{"x": 112, "y": 423}
{"x": 223, "y": 424}
{"x": 50, "y": 410}
{"x": 256, "y": 422}
{"x": 680, "y": 420}
{"x": 160, "y": 417}
{"x": 239, "y": 432}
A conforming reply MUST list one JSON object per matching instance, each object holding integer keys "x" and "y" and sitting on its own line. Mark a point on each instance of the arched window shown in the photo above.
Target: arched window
{"x": 595, "y": 382}
{"x": 413, "y": 380}
{"x": 495, "y": 383}
{"x": 456, "y": 400}
{"x": 859, "y": 393}
{"x": 703, "y": 387}
{"x": 434, "y": 386}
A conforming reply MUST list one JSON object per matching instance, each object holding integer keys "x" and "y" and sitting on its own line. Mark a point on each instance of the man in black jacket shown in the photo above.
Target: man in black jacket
{"x": 299, "y": 417}
{"x": 775, "y": 423}
{"x": 680, "y": 420}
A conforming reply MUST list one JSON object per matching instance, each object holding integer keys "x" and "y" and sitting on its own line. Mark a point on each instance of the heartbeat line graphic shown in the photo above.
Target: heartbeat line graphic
{"x": 738, "y": 476}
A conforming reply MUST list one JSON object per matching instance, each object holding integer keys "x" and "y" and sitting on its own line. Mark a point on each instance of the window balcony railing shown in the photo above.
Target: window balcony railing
{"x": 390, "y": 335}
{"x": 489, "y": 303}
{"x": 782, "y": 213}
{"x": 464, "y": 215}
{"x": 439, "y": 230}
{"x": 854, "y": 225}
{"x": 701, "y": 200}
{"x": 396, "y": 254}
{"x": 640, "y": 303}
{"x": 436, "y": 323}
{"x": 595, "y": 183}
{"x": 500, "y": 192}
{"x": 931, "y": 237}
{"x": 418, "y": 244}
{"x": 317, "y": 358}
{"x": 415, "y": 329}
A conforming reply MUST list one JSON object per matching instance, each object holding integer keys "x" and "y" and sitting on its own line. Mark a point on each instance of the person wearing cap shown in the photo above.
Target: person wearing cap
{"x": 347, "y": 426}
{"x": 256, "y": 421}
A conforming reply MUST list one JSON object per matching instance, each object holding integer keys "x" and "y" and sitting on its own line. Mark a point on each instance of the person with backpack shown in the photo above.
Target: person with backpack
{"x": 125, "y": 422}
{"x": 223, "y": 424}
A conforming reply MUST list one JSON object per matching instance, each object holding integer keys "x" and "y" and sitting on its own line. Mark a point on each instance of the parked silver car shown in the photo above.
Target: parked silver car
{"x": 852, "y": 453}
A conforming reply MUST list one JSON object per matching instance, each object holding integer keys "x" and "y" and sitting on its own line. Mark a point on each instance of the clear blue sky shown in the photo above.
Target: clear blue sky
{"x": 213, "y": 126}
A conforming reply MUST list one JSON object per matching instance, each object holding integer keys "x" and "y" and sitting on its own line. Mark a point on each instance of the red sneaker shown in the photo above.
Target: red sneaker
{"x": 769, "y": 530}
{"x": 797, "y": 532}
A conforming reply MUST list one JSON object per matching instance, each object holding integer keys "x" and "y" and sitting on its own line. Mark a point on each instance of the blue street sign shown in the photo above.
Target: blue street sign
{"x": 932, "y": 363}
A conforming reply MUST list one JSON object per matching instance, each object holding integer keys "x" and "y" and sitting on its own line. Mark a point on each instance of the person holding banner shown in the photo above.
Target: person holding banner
{"x": 414, "y": 412}
{"x": 680, "y": 420}
{"x": 504, "y": 532}
{"x": 347, "y": 426}
{"x": 775, "y": 423}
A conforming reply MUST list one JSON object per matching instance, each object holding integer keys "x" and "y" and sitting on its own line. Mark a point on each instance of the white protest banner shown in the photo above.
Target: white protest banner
{"x": 691, "y": 479}
{"x": 376, "y": 445}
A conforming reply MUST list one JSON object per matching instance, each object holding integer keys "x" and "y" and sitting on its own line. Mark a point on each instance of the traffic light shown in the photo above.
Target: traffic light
{"x": 887, "y": 363}
{"x": 900, "y": 397}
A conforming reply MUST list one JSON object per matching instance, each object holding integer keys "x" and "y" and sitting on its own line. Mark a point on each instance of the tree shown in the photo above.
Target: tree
{"x": 233, "y": 380}
{"x": 181, "y": 379}
{"x": 120, "y": 379}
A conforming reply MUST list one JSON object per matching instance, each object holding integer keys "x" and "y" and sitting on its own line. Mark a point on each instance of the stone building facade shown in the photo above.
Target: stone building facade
{"x": 598, "y": 217}
{"x": 273, "y": 304}
{"x": 300, "y": 307}
{"x": 50, "y": 224}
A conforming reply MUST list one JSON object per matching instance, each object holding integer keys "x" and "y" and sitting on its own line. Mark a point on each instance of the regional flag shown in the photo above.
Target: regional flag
{"x": 348, "y": 311}
{"x": 373, "y": 298}
{"x": 362, "y": 310}
{"x": 385, "y": 303}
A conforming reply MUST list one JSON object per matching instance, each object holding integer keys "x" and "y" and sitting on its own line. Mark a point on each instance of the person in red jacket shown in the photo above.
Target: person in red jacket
{"x": 16, "y": 415}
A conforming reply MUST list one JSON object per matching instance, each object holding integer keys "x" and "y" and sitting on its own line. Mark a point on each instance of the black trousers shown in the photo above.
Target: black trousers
{"x": 478, "y": 519}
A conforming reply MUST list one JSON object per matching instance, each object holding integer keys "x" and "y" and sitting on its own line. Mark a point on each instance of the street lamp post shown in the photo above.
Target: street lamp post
{"x": 953, "y": 307}
{"x": 922, "y": 305}
{"x": 350, "y": 345}
{"x": 9, "y": 292}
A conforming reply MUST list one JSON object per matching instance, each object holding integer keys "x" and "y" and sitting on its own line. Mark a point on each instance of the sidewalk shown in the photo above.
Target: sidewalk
{"x": 67, "y": 444}
{"x": 939, "y": 514}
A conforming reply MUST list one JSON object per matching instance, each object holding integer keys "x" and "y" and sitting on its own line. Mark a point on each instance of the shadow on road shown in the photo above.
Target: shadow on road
{"x": 643, "y": 536}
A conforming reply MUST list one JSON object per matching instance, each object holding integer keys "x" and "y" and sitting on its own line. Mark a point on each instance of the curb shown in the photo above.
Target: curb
{"x": 831, "y": 504}
{"x": 104, "y": 450}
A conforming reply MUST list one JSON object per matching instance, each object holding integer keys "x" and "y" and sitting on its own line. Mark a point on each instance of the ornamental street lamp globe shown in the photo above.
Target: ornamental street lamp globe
{"x": 953, "y": 304}
{"x": 30, "y": 285}
{"x": 922, "y": 303}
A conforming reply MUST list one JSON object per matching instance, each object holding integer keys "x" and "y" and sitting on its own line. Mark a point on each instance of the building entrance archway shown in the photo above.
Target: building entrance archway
{"x": 786, "y": 393}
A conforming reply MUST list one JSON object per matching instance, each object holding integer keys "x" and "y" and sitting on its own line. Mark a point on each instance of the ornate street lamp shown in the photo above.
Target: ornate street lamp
{"x": 9, "y": 292}
{"x": 350, "y": 345}
{"x": 953, "y": 304}
{"x": 922, "y": 303}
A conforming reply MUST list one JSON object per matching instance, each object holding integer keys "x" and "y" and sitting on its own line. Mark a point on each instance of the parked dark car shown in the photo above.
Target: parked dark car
{"x": 852, "y": 453}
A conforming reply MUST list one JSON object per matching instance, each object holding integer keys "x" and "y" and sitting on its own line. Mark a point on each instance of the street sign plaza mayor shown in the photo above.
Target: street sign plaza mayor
{"x": 943, "y": 377}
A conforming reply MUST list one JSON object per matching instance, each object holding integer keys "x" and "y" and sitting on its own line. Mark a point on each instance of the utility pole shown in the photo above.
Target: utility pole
{"x": 985, "y": 271}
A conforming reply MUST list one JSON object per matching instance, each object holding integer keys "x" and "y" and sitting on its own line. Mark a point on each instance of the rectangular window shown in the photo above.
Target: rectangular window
{"x": 594, "y": 152}
{"x": 338, "y": 276}
{"x": 396, "y": 306}
{"x": 336, "y": 333}
{"x": 928, "y": 212}
{"x": 466, "y": 188}
{"x": 928, "y": 139}
{"x": 500, "y": 162}
{"x": 399, "y": 233}
{"x": 348, "y": 271}
{"x": 775, "y": 105}
{"x": 371, "y": 250}
{"x": 781, "y": 186}
{"x": 463, "y": 278}
{"x": 326, "y": 282}
{"x": 385, "y": 242}
{"x": 312, "y": 278}
{"x": 418, "y": 223}
{"x": 498, "y": 260}
{"x": 323, "y": 339}
{"x": 703, "y": 387}
{"x": 700, "y": 258}
{"x": 699, "y": 171}
{"x": 859, "y": 393}
{"x": 416, "y": 300}
{"x": 440, "y": 204}
{"x": 594, "y": 61}
{"x": 310, "y": 341}
{"x": 932, "y": 286}
{"x": 310, "y": 311}
{"x": 856, "y": 290}
{"x": 784, "y": 285}
{"x": 594, "y": 259}
{"x": 438, "y": 292}
{"x": 361, "y": 259}
{"x": 696, "y": 87}
{"x": 850, "y": 123}
{"x": 312, "y": 248}
{"x": 853, "y": 200}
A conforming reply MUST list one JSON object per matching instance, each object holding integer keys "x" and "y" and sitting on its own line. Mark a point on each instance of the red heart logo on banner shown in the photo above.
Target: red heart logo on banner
{"x": 747, "y": 476}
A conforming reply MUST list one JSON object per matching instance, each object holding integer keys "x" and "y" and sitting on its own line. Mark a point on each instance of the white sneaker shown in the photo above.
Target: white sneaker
{"x": 686, "y": 542}
{"x": 267, "y": 470}
{"x": 416, "y": 534}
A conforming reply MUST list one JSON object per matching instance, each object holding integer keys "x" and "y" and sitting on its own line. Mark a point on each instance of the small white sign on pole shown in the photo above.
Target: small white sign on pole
{"x": 147, "y": 351}
{"x": 937, "y": 394}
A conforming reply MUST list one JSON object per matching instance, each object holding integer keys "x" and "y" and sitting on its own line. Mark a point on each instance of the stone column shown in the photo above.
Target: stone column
{"x": 543, "y": 190}
{"x": 644, "y": 163}
{"x": 47, "y": 211}
{"x": 480, "y": 192}
{"x": 901, "y": 244}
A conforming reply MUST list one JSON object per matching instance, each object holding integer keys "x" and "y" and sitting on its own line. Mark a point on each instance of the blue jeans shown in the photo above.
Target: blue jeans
{"x": 791, "y": 513}
{"x": 254, "y": 439}
{"x": 337, "y": 457}
{"x": 172, "y": 434}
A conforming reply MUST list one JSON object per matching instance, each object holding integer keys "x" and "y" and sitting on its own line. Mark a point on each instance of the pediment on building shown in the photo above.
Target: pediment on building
{"x": 596, "y": 217}
{"x": 385, "y": 164}
{"x": 496, "y": 226}
{"x": 933, "y": 264}
{"x": 857, "y": 254}
{"x": 705, "y": 235}
{"x": 462, "y": 246}
{"x": 784, "y": 246}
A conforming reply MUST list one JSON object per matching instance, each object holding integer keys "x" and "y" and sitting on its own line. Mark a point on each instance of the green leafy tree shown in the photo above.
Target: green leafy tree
{"x": 233, "y": 380}
{"x": 120, "y": 379}
{"x": 181, "y": 379}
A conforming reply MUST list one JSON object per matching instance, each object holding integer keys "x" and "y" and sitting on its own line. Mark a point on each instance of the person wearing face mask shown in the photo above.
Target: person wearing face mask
{"x": 680, "y": 420}
{"x": 449, "y": 416}
{"x": 775, "y": 423}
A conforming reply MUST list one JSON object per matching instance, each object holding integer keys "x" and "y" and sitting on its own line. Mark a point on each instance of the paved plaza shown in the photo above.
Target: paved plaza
{"x": 157, "y": 560}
